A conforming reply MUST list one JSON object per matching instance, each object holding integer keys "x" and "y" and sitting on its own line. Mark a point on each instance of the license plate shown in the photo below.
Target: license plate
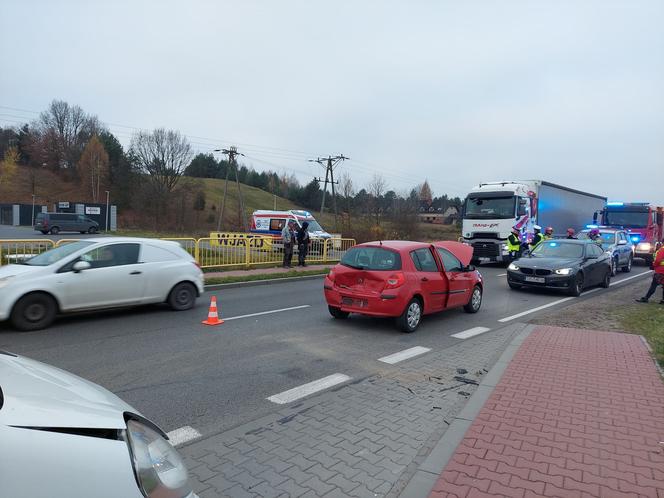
{"x": 357, "y": 303}
{"x": 485, "y": 259}
{"x": 539, "y": 280}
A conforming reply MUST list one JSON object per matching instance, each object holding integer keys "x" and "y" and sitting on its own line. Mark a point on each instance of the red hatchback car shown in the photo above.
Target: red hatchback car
{"x": 405, "y": 280}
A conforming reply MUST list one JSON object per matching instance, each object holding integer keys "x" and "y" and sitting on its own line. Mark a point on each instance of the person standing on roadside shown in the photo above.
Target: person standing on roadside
{"x": 538, "y": 238}
{"x": 288, "y": 238}
{"x": 303, "y": 240}
{"x": 514, "y": 243}
{"x": 657, "y": 278}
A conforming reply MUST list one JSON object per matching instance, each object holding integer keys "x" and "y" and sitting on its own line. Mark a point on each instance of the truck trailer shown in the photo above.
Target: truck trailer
{"x": 491, "y": 210}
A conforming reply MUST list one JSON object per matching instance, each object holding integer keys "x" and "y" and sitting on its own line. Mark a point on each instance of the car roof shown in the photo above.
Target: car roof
{"x": 397, "y": 245}
{"x": 603, "y": 229}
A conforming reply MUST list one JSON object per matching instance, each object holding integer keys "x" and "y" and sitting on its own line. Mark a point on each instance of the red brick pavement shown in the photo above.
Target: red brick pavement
{"x": 577, "y": 413}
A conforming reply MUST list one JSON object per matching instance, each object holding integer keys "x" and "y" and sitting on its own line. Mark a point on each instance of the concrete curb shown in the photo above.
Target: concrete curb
{"x": 424, "y": 479}
{"x": 268, "y": 281}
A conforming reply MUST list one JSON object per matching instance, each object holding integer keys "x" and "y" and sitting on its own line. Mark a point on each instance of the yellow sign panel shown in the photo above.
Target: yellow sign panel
{"x": 239, "y": 239}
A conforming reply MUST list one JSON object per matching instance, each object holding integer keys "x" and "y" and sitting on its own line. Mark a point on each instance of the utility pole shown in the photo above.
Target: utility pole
{"x": 232, "y": 164}
{"x": 329, "y": 164}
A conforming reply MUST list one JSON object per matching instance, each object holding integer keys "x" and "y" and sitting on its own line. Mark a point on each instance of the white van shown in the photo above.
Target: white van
{"x": 264, "y": 222}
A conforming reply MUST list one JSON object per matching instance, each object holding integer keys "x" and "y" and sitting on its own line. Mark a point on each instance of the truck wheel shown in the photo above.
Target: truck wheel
{"x": 628, "y": 268}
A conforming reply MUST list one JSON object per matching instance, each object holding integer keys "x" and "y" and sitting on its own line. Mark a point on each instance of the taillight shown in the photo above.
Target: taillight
{"x": 395, "y": 280}
{"x": 331, "y": 276}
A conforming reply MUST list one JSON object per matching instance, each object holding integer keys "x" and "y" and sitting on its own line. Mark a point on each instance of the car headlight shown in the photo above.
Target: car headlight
{"x": 563, "y": 271}
{"x": 513, "y": 267}
{"x": 643, "y": 246}
{"x": 159, "y": 469}
{"x": 5, "y": 281}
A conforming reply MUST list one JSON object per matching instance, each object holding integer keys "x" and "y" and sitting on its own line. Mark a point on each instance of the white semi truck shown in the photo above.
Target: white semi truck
{"x": 492, "y": 209}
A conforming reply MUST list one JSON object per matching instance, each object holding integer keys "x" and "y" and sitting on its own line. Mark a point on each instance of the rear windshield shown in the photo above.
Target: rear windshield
{"x": 555, "y": 249}
{"x": 371, "y": 258}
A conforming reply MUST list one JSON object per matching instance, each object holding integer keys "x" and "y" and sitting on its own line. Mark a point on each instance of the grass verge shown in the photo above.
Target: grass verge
{"x": 263, "y": 276}
{"x": 648, "y": 321}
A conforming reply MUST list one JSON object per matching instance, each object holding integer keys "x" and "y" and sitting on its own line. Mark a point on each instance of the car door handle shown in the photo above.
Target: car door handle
{"x": 425, "y": 279}
{"x": 136, "y": 272}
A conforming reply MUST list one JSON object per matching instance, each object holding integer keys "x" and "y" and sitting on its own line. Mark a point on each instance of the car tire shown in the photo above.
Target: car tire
{"x": 55, "y": 231}
{"x": 628, "y": 267}
{"x": 182, "y": 297}
{"x": 606, "y": 281}
{"x": 92, "y": 230}
{"x": 411, "y": 317}
{"x": 44, "y": 232}
{"x": 34, "y": 312}
{"x": 475, "y": 300}
{"x": 82, "y": 232}
{"x": 337, "y": 313}
{"x": 614, "y": 266}
{"x": 514, "y": 286}
{"x": 577, "y": 286}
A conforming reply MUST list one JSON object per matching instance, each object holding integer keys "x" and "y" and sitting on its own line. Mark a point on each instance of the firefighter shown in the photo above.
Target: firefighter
{"x": 548, "y": 233}
{"x": 595, "y": 236}
{"x": 571, "y": 234}
{"x": 514, "y": 243}
{"x": 538, "y": 238}
{"x": 657, "y": 278}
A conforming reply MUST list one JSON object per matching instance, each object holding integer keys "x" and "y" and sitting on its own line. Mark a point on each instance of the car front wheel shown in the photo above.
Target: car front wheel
{"x": 411, "y": 317}
{"x": 614, "y": 267}
{"x": 182, "y": 296}
{"x": 628, "y": 267}
{"x": 55, "y": 231}
{"x": 475, "y": 301}
{"x": 606, "y": 281}
{"x": 34, "y": 311}
{"x": 92, "y": 230}
{"x": 576, "y": 286}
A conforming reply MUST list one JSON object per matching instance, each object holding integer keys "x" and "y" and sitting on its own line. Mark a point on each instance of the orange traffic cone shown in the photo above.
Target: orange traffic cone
{"x": 213, "y": 316}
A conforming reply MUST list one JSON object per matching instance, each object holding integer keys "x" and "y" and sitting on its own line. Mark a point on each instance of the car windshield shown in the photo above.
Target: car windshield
{"x": 627, "y": 219}
{"x": 556, "y": 249}
{"x": 313, "y": 226}
{"x": 371, "y": 258}
{"x": 607, "y": 238}
{"x": 489, "y": 207}
{"x": 55, "y": 255}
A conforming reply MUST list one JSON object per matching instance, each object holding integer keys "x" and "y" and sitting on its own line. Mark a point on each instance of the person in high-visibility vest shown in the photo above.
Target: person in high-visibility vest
{"x": 548, "y": 233}
{"x": 657, "y": 278}
{"x": 514, "y": 243}
{"x": 538, "y": 238}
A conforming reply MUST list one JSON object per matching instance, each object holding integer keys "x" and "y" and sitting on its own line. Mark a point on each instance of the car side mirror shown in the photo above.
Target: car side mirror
{"x": 469, "y": 268}
{"x": 622, "y": 242}
{"x": 79, "y": 266}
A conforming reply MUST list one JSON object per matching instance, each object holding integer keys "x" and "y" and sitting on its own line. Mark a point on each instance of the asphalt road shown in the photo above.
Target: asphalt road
{"x": 179, "y": 372}
{"x": 11, "y": 232}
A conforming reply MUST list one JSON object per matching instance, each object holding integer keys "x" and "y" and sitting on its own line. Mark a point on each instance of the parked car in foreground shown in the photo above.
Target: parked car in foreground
{"x": 63, "y": 436}
{"x": 617, "y": 244}
{"x": 55, "y": 223}
{"x": 102, "y": 273}
{"x": 562, "y": 264}
{"x": 404, "y": 280}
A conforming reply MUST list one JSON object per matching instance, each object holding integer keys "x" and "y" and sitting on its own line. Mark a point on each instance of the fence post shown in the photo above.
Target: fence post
{"x": 325, "y": 250}
{"x": 247, "y": 260}
{"x": 197, "y": 253}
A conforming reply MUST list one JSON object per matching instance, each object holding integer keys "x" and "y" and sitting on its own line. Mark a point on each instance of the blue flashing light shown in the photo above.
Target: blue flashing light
{"x": 553, "y": 244}
{"x": 635, "y": 238}
{"x": 592, "y": 226}
{"x": 615, "y": 203}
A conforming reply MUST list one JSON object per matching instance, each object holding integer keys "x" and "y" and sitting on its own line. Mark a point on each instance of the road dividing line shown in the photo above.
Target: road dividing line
{"x": 404, "y": 355}
{"x": 267, "y": 312}
{"x": 308, "y": 389}
{"x": 630, "y": 278}
{"x": 501, "y": 275}
{"x": 533, "y": 310}
{"x": 182, "y": 435}
{"x": 471, "y": 332}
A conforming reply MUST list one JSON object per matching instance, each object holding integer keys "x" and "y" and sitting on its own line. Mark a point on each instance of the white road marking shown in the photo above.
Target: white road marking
{"x": 404, "y": 355}
{"x": 307, "y": 389}
{"x": 630, "y": 278}
{"x": 471, "y": 332}
{"x": 266, "y": 312}
{"x": 501, "y": 275}
{"x": 182, "y": 435}
{"x": 533, "y": 310}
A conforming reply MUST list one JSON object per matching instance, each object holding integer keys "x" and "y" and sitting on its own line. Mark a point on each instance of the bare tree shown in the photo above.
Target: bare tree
{"x": 376, "y": 189}
{"x": 163, "y": 155}
{"x": 93, "y": 167}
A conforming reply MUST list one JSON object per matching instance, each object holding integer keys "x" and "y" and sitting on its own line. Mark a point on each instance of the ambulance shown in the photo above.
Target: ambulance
{"x": 270, "y": 223}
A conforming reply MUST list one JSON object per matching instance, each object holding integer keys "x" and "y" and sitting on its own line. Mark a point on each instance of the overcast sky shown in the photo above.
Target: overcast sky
{"x": 458, "y": 92}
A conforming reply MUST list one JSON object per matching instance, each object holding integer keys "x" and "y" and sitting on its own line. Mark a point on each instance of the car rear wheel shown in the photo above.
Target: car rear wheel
{"x": 337, "y": 313}
{"x": 411, "y": 317}
{"x": 577, "y": 286}
{"x": 182, "y": 296}
{"x": 34, "y": 311}
{"x": 514, "y": 286}
{"x": 92, "y": 230}
{"x": 614, "y": 266}
{"x": 606, "y": 282}
{"x": 475, "y": 301}
{"x": 44, "y": 231}
{"x": 628, "y": 267}
{"x": 55, "y": 231}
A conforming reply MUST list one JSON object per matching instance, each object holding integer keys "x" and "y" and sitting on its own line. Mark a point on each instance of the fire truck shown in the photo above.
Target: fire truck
{"x": 643, "y": 222}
